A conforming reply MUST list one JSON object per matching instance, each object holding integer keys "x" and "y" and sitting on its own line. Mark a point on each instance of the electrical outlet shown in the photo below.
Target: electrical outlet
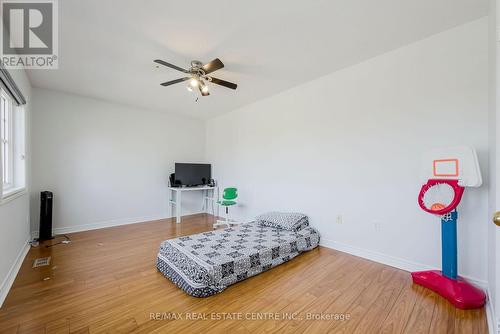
{"x": 339, "y": 219}
{"x": 377, "y": 226}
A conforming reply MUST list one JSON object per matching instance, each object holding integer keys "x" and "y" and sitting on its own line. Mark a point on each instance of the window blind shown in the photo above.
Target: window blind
{"x": 10, "y": 87}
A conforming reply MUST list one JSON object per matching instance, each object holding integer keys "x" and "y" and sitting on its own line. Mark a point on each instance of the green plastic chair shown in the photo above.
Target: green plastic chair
{"x": 228, "y": 199}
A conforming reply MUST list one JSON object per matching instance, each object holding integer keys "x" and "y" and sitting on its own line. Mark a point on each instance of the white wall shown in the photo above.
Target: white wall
{"x": 14, "y": 214}
{"x": 350, "y": 144}
{"x": 494, "y": 186}
{"x": 107, "y": 163}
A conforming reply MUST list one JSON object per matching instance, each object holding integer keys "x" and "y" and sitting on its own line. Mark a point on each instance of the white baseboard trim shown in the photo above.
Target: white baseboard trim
{"x": 11, "y": 275}
{"x": 410, "y": 266}
{"x": 108, "y": 223}
{"x": 390, "y": 260}
{"x": 493, "y": 322}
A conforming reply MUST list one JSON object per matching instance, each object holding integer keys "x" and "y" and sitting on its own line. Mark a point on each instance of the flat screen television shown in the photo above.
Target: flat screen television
{"x": 191, "y": 175}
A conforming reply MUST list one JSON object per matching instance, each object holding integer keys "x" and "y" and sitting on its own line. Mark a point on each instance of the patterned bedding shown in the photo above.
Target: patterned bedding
{"x": 285, "y": 220}
{"x": 206, "y": 263}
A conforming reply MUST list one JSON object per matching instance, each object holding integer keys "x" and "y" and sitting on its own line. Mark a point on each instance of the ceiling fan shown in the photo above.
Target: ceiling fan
{"x": 198, "y": 75}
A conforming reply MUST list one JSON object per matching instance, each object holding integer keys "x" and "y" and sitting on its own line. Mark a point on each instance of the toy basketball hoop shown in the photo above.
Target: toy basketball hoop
{"x": 446, "y": 174}
{"x": 455, "y": 163}
{"x": 439, "y": 196}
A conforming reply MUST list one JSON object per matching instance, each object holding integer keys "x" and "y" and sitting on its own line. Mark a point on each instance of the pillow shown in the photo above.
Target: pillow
{"x": 285, "y": 220}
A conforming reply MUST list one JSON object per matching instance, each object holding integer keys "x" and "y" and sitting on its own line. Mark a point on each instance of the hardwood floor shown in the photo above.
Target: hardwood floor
{"x": 106, "y": 281}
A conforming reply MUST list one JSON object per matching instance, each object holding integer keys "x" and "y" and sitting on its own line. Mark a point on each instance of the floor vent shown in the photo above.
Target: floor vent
{"x": 43, "y": 261}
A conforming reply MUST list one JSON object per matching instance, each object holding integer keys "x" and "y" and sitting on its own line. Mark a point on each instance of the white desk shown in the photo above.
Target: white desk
{"x": 209, "y": 196}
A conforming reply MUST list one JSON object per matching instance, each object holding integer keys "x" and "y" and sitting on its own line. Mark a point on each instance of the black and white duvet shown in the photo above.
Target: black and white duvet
{"x": 206, "y": 263}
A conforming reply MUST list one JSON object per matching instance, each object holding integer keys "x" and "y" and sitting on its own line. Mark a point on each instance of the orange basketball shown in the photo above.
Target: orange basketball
{"x": 437, "y": 206}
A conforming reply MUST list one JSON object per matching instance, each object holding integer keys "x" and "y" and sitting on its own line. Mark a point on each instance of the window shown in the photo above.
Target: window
{"x": 12, "y": 139}
{"x": 6, "y": 132}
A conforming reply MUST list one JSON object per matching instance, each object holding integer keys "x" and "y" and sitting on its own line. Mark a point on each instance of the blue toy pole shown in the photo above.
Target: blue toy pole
{"x": 449, "y": 244}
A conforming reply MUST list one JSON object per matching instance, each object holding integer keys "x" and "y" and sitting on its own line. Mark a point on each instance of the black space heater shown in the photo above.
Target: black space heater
{"x": 46, "y": 198}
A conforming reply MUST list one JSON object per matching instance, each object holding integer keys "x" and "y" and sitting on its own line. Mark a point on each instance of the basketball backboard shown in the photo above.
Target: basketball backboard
{"x": 453, "y": 163}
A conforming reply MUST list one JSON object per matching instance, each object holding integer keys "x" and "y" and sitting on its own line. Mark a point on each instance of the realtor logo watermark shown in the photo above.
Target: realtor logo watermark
{"x": 29, "y": 34}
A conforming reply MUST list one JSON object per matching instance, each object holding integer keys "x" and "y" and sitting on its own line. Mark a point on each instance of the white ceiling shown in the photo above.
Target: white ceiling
{"x": 107, "y": 48}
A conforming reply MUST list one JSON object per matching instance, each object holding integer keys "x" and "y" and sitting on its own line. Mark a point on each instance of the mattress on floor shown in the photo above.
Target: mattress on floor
{"x": 206, "y": 263}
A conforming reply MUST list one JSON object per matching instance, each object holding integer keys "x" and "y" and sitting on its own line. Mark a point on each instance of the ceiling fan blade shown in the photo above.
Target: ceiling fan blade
{"x": 206, "y": 93}
{"x": 164, "y": 63}
{"x": 223, "y": 83}
{"x": 212, "y": 66}
{"x": 168, "y": 83}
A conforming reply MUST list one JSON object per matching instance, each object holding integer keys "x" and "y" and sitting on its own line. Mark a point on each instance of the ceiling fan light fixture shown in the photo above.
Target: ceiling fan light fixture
{"x": 194, "y": 82}
{"x": 197, "y": 78}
